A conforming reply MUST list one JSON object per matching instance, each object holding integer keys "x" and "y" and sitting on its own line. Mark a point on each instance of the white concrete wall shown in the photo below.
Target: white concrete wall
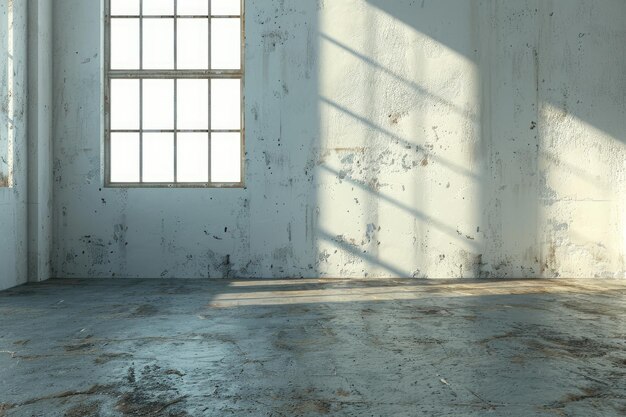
{"x": 25, "y": 141}
{"x": 13, "y": 143}
{"x": 423, "y": 138}
{"x": 39, "y": 139}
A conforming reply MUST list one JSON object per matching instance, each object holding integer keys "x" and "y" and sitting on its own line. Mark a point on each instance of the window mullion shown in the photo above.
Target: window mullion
{"x": 140, "y": 92}
{"x": 175, "y": 92}
{"x": 210, "y": 67}
{"x": 242, "y": 42}
{"x": 174, "y": 74}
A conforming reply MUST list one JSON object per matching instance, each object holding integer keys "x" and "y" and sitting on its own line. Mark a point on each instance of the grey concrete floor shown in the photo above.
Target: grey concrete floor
{"x": 313, "y": 347}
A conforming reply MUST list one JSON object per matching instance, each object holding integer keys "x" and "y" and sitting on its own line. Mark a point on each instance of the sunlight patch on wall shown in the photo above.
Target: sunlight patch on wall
{"x": 398, "y": 173}
{"x": 582, "y": 195}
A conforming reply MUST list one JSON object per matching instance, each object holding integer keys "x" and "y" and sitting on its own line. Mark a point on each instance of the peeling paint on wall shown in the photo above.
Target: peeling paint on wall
{"x": 13, "y": 150}
{"x": 421, "y": 139}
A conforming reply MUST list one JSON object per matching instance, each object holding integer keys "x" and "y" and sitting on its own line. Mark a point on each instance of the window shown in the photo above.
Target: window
{"x": 174, "y": 93}
{"x": 8, "y": 88}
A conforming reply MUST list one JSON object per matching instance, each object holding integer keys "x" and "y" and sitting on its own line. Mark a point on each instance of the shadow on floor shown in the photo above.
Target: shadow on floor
{"x": 312, "y": 347}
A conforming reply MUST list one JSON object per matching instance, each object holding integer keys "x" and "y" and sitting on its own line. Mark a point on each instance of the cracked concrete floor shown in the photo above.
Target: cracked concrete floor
{"x": 313, "y": 347}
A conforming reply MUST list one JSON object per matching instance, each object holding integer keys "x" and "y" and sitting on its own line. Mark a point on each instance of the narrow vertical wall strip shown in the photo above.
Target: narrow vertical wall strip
{"x": 10, "y": 93}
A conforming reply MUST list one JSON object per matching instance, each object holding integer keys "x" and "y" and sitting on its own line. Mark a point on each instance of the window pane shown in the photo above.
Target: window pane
{"x": 158, "y": 104}
{"x": 158, "y": 157}
{"x": 124, "y": 104}
{"x": 158, "y": 7}
{"x": 193, "y": 7}
{"x": 226, "y": 157}
{"x": 124, "y": 43}
{"x": 193, "y": 104}
{"x": 125, "y": 7}
{"x": 124, "y": 157}
{"x": 226, "y": 7}
{"x": 226, "y": 43}
{"x": 226, "y": 104}
{"x": 193, "y": 157}
{"x": 158, "y": 43}
{"x": 193, "y": 43}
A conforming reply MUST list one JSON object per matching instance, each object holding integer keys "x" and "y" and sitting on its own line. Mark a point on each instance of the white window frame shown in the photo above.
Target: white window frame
{"x": 141, "y": 74}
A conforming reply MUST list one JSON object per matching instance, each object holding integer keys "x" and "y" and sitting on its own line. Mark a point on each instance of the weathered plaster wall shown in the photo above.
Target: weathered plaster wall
{"x": 13, "y": 128}
{"x": 384, "y": 138}
{"x": 264, "y": 230}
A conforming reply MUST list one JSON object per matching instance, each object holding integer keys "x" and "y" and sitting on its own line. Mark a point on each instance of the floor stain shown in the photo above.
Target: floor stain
{"x": 313, "y": 348}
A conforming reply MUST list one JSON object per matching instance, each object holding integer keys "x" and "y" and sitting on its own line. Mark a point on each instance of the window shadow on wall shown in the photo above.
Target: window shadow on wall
{"x": 527, "y": 102}
{"x": 549, "y": 116}
{"x": 392, "y": 199}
